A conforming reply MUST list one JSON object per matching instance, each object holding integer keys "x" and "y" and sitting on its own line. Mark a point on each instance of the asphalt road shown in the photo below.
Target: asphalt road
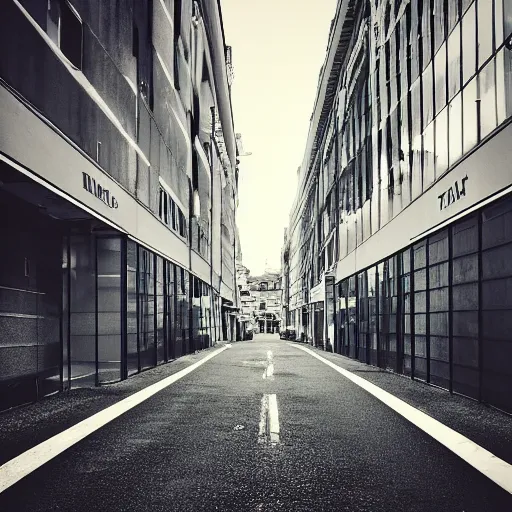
{"x": 203, "y": 444}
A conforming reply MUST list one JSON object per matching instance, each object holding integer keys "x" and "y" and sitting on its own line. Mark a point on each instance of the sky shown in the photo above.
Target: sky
{"x": 278, "y": 47}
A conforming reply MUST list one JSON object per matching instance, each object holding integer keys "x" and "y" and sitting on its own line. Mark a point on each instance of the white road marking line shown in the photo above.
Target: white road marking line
{"x": 494, "y": 468}
{"x": 24, "y": 464}
{"x": 273, "y": 419}
{"x": 262, "y": 434}
{"x": 269, "y": 420}
{"x": 269, "y": 370}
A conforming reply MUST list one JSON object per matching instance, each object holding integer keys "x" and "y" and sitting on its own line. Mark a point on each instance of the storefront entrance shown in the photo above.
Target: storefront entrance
{"x": 30, "y": 303}
{"x": 92, "y": 320}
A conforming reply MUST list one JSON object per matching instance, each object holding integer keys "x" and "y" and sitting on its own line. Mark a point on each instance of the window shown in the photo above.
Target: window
{"x": 455, "y": 133}
{"x": 440, "y": 78}
{"x": 468, "y": 44}
{"x": 181, "y": 224}
{"x": 64, "y": 27}
{"x": 485, "y": 32}
{"x": 438, "y": 309}
{"x": 143, "y": 50}
{"x": 470, "y": 117}
{"x": 454, "y": 62}
{"x": 441, "y": 158}
{"x": 428, "y": 95}
{"x": 487, "y": 91}
{"x": 166, "y": 208}
{"x": 177, "y": 33}
{"x": 174, "y": 222}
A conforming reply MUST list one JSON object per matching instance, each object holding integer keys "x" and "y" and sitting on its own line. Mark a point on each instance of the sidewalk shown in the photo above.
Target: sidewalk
{"x": 482, "y": 424}
{"x": 26, "y": 426}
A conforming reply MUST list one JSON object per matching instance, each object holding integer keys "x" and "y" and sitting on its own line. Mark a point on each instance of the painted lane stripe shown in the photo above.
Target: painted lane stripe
{"x": 269, "y": 369}
{"x": 269, "y": 429}
{"x": 269, "y": 372}
{"x": 494, "y": 468}
{"x": 24, "y": 464}
{"x": 262, "y": 433}
{"x": 273, "y": 416}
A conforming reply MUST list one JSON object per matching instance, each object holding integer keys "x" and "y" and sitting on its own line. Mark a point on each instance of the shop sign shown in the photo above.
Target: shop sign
{"x": 453, "y": 194}
{"x": 103, "y": 194}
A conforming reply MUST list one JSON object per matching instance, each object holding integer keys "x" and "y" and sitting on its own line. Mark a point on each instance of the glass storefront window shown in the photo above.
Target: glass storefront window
{"x": 170, "y": 297}
{"x": 351, "y": 332}
{"x": 82, "y": 349}
{"x": 109, "y": 269}
{"x": 146, "y": 310}
{"x": 406, "y": 327}
{"x": 160, "y": 311}
{"x": 362, "y": 316}
{"x": 185, "y": 308}
{"x": 465, "y": 307}
{"x": 420, "y": 311}
{"x": 438, "y": 309}
{"x": 196, "y": 311}
{"x": 341, "y": 319}
{"x": 387, "y": 277}
{"x": 131, "y": 314}
{"x": 373, "y": 320}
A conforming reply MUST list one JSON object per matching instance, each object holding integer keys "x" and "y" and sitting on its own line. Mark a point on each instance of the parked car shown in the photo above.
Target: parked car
{"x": 288, "y": 334}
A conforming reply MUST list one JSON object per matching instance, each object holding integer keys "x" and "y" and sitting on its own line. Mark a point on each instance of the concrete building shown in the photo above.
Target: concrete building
{"x": 118, "y": 190}
{"x": 285, "y": 281}
{"x": 265, "y": 300}
{"x": 399, "y": 243}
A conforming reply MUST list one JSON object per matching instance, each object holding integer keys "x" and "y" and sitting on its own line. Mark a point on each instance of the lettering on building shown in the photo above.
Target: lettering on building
{"x": 103, "y": 194}
{"x": 453, "y": 194}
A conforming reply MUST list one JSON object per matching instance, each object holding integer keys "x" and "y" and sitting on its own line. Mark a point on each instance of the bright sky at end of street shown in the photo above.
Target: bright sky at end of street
{"x": 278, "y": 49}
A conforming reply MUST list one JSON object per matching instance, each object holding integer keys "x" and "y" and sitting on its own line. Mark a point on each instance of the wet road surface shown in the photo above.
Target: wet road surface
{"x": 262, "y": 426}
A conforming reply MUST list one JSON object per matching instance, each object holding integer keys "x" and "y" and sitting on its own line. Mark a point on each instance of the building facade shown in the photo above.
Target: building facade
{"x": 400, "y": 240}
{"x": 285, "y": 281}
{"x": 264, "y": 300}
{"x": 118, "y": 173}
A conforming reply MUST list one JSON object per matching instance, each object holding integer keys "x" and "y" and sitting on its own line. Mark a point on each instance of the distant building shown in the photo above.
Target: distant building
{"x": 264, "y": 300}
{"x": 285, "y": 281}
